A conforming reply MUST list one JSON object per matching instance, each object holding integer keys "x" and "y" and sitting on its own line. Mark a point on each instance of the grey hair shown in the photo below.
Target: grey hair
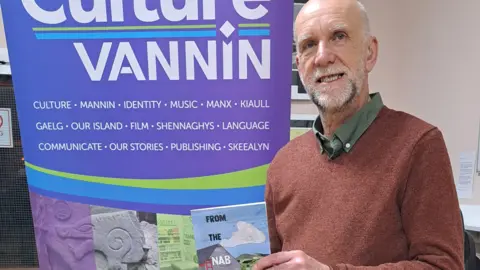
{"x": 366, "y": 20}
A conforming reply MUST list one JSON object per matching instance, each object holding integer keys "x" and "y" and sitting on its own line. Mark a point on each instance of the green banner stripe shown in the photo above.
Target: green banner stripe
{"x": 247, "y": 25}
{"x": 246, "y": 178}
{"x": 110, "y": 28}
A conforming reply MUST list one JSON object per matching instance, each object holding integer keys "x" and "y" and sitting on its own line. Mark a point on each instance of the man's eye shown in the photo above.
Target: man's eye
{"x": 308, "y": 45}
{"x": 339, "y": 36}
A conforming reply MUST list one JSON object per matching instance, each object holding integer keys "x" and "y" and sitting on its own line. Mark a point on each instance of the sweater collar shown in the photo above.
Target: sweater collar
{"x": 345, "y": 137}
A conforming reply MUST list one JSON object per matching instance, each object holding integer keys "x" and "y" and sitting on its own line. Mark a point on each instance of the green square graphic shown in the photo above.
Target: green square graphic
{"x": 176, "y": 244}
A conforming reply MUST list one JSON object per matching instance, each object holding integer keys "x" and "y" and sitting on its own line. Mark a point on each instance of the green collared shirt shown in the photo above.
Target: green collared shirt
{"x": 350, "y": 132}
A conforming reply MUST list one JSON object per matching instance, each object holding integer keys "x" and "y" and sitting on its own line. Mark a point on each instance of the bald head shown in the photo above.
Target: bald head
{"x": 365, "y": 19}
{"x": 356, "y": 5}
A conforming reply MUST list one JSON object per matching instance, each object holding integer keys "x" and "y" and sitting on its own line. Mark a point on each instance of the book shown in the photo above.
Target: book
{"x": 231, "y": 237}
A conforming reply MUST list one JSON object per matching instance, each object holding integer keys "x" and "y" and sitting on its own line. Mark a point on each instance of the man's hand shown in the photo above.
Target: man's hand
{"x": 297, "y": 260}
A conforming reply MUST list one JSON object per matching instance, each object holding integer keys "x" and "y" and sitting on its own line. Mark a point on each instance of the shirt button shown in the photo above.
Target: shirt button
{"x": 347, "y": 145}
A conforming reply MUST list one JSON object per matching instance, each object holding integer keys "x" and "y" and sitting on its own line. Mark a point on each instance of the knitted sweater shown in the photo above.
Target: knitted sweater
{"x": 390, "y": 203}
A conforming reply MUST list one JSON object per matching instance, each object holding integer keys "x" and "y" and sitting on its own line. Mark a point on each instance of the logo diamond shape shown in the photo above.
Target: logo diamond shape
{"x": 227, "y": 29}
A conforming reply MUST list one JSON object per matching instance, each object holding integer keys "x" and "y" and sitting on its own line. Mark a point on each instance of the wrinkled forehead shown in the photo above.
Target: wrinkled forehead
{"x": 328, "y": 15}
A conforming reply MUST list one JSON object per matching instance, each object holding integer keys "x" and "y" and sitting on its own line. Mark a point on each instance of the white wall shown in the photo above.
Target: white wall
{"x": 437, "y": 64}
{"x": 2, "y": 32}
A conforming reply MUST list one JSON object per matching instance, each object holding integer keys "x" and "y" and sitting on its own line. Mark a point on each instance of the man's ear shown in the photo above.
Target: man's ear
{"x": 372, "y": 54}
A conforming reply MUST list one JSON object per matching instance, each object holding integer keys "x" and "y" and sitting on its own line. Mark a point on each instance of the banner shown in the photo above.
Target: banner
{"x": 132, "y": 113}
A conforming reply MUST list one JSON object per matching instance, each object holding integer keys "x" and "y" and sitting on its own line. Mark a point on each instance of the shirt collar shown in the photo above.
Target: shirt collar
{"x": 345, "y": 137}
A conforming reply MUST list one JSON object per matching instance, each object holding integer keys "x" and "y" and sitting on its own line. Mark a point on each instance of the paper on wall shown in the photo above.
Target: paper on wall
{"x": 6, "y": 138}
{"x": 466, "y": 173}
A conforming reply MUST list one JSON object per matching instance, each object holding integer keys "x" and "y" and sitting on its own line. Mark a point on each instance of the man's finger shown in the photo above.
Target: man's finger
{"x": 273, "y": 259}
{"x": 290, "y": 265}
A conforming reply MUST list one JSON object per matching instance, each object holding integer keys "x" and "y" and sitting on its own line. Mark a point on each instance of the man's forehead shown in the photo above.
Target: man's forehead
{"x": 333, "y": 14}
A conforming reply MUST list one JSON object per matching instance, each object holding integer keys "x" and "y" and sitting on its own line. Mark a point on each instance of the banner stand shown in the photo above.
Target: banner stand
{"x": 132, "y": 115}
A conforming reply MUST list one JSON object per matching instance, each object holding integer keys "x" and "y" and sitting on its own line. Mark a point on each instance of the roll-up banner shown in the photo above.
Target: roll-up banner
{"x": 132, "y": 113}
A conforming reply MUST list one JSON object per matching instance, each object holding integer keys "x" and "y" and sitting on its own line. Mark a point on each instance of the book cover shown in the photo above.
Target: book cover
{"x": 231, "y": 237}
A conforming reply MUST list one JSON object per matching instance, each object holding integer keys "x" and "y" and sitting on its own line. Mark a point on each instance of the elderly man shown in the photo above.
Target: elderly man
{"x": 369, "y": 187}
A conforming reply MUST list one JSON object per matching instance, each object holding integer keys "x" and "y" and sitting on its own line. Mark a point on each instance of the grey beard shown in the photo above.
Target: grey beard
{"x": 353, "y": 94}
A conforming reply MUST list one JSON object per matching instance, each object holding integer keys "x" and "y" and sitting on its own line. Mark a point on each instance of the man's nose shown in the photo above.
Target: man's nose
{"x": 324, "y": 56}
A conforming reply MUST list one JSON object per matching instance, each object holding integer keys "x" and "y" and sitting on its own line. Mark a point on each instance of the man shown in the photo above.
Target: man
{"x": 368, "y": 187}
